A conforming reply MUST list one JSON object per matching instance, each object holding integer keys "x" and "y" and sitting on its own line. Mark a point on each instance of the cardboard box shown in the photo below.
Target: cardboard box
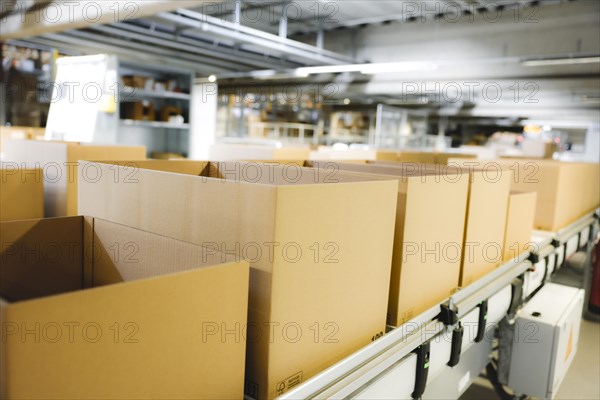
{"x": 151, "y": 328}
{"x": 430, "y": 221}
{"x": 519, "y": 224}
{"x": 58, "y": 161}
{"x": 227, "y": 151}
{"x": 320, "y": 252}
{"x": 566, "y": 191}
{"x": 423, "y": 157}
{"x": 135, "y": 81}
{"x": 19, "y": 132}
{"x": 485, "y": 224}
{"x": 142, "y": 110}
{"x": 167, "y": 112}
{"x": 486, "y": 213}
{"x": 21, "y": 193}
{"x": 427, "y": 157}
{"x": 330, "y": 153}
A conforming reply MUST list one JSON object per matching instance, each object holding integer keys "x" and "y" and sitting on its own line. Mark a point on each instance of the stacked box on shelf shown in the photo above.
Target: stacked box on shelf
{"x": 485, "y": 221}
{"x": 58, "y": 161}
{"x": 320, "y": 252}
{"x": 151, "y": 327}
{"x": 430, "y": 219}
{"x": 566, "y": 191}
{"x": 21, "y": 193}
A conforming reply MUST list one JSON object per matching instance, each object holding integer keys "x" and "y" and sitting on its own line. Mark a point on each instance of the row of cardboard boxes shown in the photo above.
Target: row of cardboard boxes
{"x": 565, "y": 190}
{"x": 332, "y": 248}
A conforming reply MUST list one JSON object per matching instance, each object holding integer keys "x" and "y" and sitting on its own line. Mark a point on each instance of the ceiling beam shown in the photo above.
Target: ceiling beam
{"x": 26, "y": 18}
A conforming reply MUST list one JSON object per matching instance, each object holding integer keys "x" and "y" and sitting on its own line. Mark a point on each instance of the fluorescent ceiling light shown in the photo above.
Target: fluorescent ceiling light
{"x": 561, "y": 61}
{"x": 375, "y": 68}
{"x": 383, "y": 68}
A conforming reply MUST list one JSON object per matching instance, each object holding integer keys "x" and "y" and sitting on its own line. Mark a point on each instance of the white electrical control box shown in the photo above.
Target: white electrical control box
{"x": 546, "y": 336}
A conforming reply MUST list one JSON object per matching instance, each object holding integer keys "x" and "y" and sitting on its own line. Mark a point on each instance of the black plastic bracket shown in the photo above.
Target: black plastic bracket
{"x": 447, "y": 315}
{"x": 422, "y": 353}
{"x": 555, "y": 243}
{"x": 483, "y": 309}
{"x": 456, "y": 348}
{"x": 534, "y": 258}
{"x": 516, "y": 296}
{"x": 578, "y": 240}
{"x": 547, "y": 262}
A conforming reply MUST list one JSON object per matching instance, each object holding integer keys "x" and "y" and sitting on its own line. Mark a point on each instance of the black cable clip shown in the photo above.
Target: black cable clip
{"x": 422, "y": 353}
{"x": 534, "y": 258}
{"x": 456, "y": 347}
{"x": 447, "y": 315}
{"x": 483, "y": 309}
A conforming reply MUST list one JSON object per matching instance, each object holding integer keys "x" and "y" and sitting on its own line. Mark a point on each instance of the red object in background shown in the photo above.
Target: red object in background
{"x": 594, "y": 304}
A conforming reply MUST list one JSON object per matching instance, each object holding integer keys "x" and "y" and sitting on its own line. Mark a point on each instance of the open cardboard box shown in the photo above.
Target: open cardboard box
{"x": 21, "y": 193}
{"x": 58, "y": 161}
{"x": 320, "y": 252}
{"x": 487, "y": 205}
{"x": 152, "y": 326}
{"x": 430, "y": 223}
{"x": 566, "y": 191}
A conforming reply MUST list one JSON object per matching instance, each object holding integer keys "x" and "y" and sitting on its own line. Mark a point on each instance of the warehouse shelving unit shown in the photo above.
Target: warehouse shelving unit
{"x": 412, "y": 360}
{"x": 99, "y": 114}
{"x": 161, "y": 136}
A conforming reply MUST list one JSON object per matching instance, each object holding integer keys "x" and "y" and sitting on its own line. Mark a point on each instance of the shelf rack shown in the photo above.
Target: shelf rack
{"x": 154, "y": 124}
{"x": 368, "y": 367}
{"x": 128, "y": 92}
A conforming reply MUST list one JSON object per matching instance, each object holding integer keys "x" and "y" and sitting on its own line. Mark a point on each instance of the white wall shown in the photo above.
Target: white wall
{"x": 204, "y": 119}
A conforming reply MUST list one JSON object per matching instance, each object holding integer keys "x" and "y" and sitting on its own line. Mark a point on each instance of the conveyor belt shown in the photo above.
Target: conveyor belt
{"x": 375, "y": 363}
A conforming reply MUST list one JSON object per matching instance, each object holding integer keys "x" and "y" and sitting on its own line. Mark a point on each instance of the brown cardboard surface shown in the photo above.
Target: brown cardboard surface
{"x": 154, "y": 331}
{"x": 486, "y": 212}
{"x": 21, "y": 193}
{"x": 485, "y": 224}
{"x": 424, "y": 157}
{"x": 417, "y": 157}
{"x": 430, "y": 220}
{"x": 58, "y": 160}
{"x": 519, "y": 223}
{"x": 329, "y": 242}
{"x": 565, "y": 191}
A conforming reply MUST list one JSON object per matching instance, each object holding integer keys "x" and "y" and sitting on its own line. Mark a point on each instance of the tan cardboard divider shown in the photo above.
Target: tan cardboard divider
{"x": 430, "y": 221}
{"x": 153, "y": 330}
{"x": 320, "y": 252}
{"x": 58, "y": 161}
{"x": 566, "y": 191}
{"x": 21, "y": 193}
{"x": 519, "y": 224}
